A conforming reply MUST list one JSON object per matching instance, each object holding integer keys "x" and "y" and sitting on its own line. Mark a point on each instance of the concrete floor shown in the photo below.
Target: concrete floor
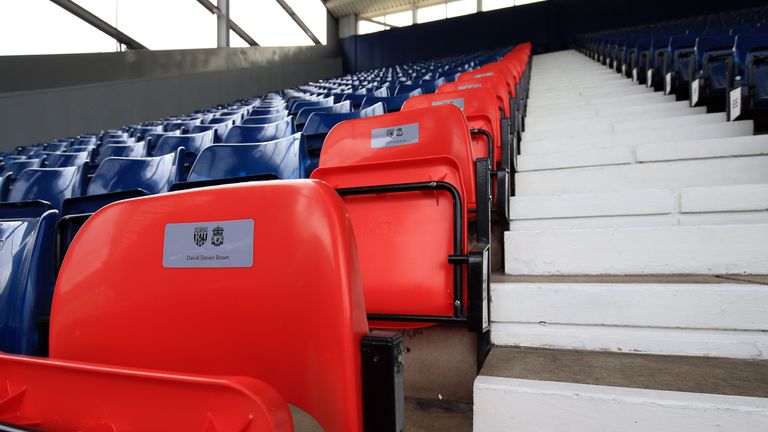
{"x": 422, "y": 415}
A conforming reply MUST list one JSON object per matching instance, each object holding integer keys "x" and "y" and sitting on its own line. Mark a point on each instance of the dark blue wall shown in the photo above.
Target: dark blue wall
{"x": 551, "y": 25}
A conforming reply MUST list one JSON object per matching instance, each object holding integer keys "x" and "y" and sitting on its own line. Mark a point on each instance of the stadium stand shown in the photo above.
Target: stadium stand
{"x": 571, "y": 240}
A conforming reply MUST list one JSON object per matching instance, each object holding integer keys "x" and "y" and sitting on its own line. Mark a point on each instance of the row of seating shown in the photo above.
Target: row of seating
{"x": 391, "y": 232}
{"x": 716, "y": 61}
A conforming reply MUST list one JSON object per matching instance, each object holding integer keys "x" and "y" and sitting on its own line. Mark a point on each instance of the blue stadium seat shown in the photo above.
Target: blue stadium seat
{"x": 85, "y": 140}
{"x": 304, "y": 113}
{"x": 285, "y": 158}
{"x": 182, "y": 125}
{"x": 121, "y": 150}
{"x": 27, "y": 231}
{"x": 52, "y": 185}
{"x": 355, "y": 99}
{"x": 296, "y": 107}
{"x": 61, "y": 160}
{"x": 320, "y": 123}
{"x": 391, "y": 103}
{"x": 261, "y": 133}
{"x": 56, "y": 147}
{"x": 15, "y": 167}
{"x": 29, "y": 151}
{"x": 677, "y": 64}
{"x": 265, "y": 119}
{"x": 219, "y": 129}
{"x": 224, "y": 119}
{"x": 431, "y": 85}
{"x": 192, "y": 143}
{"x": 406, "y": 88}
{"x": 142, "y": 131}
{"x": 710, "y": 67}
{"x": 116, "y": 141}
{"x": 8, "y": 158}
{"x": 258, "y": 112}
{"x": 748, "y": 75}
{"x": 151, "y": 174}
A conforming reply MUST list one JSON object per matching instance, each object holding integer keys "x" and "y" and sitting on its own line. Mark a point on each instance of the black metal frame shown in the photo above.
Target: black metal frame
{"x": 383, "y": 381}
{"x": 458, "y": 259}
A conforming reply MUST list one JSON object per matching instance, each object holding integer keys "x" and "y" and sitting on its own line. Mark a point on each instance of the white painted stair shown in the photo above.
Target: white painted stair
{"x": 635, "y": 290}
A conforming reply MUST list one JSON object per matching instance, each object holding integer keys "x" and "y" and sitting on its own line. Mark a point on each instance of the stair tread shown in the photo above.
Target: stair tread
{"x": 709, "y": 375}
{"x": 498, "y": 277}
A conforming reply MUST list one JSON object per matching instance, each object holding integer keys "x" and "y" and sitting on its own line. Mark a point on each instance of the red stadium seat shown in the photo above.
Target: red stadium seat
{"x": 408, "y": 180}
{"x": 483, "y": 118}
{"x": 499, "y": 88}
{"x": 224, "y": 281}
{"x": 67, "y": 396}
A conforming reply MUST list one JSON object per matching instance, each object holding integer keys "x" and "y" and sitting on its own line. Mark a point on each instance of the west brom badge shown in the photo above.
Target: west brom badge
{"x": 200, "y": 236}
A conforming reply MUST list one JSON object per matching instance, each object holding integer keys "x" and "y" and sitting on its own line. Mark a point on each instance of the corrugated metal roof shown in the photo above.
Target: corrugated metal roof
{"x": 340, "y": 8}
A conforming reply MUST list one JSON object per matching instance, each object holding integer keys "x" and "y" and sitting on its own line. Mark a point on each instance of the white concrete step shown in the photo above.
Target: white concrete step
{"x": 598, "y": 114}
{"x": 631, "y": 125}
{"x": 698, "y": 249}
{"x": 722, "y": 317}
{"x": 643, "y": 104}
{"x": 654, "y": 175}
{"x": 556, "y": 88}
{"x": 718, "y": 205}
{"x": 751, "y": 145}
{"x": 601, "y": 102}
{"x": 595, "y": 93}
{"x": 683, "y": 133}
{"x": 592, "y": 96}
{"x": 525, "y": 390}
{"x": 545, "y": 123}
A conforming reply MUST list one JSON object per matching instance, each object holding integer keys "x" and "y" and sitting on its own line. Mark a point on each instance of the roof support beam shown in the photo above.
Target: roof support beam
{"x": 232, "y": 25}
{"x": 298, "y": 20}
{"x": 222, "y": 24}
{"x": 377, "y": 22}
{"x": 100, "y": 24}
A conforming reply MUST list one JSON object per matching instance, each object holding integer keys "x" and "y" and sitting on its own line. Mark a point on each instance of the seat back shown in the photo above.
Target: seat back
{"x": 142, "y": 131}
{"x": 223, "y": 119}
{"x": 265, "y": 111}
{"x": 61, "y": 395}
{"x": 494, "y": 83}
{"x": 298, "y": 106}
{"x": 304, "y": 113}
{"x": 61, "y": 160}
{"x": 219, "y": 129}
{"x": 405, "y": 236}
{"x": 192, "y": 142}
{"x": 265, "y": 119}
{"x": 246, "y": 311}
{"x": 479, "y": 107}
{"x": 181, "y": 125}
{"x": 261, "y": 133}
{"x": 121, "y": 150}
{"x": 52, "y": 185}
{"x": 391, "y": 103}
{"x": 152, "y": 174}
{"x": 16, "y": 167}
{"x": 56, "y": 147}
{"x": 27, "y": 236}
{"x": 285, "y": 158}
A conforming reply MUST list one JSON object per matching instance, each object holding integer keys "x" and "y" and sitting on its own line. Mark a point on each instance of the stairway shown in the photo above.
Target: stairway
{"x": 634, "y": 295}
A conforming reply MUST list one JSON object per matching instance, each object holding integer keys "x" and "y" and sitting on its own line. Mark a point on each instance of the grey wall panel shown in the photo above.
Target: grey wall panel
{"x": 45, "y": 97}
{"x": 18, "y": 73}
{"x": 42, "y": 115}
